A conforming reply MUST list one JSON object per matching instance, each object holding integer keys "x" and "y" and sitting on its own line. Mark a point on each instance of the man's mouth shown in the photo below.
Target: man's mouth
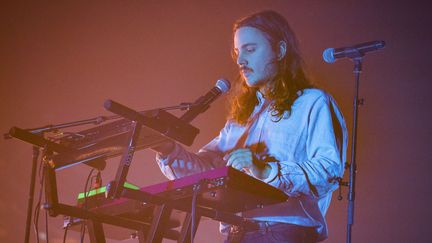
{"x": 246, "y": 71}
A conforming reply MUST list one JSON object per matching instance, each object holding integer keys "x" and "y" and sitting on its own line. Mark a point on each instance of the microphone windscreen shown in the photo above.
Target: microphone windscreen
{"x": 328, "y": 55}
{"x": 223, "y": 85}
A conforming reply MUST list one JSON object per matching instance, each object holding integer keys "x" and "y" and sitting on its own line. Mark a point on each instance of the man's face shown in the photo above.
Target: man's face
{"x": 255, "y": 57}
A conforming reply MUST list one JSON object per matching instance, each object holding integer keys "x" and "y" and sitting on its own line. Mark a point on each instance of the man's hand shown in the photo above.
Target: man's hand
{"x": 243, "y": 160}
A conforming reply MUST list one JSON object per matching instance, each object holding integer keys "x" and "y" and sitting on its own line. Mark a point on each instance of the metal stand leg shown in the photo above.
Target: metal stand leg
{"x": 31, "y": 194}
{"x": 95, "y": 231}
{"x": 161, "y": 216}
{"x": 186, "y": 228}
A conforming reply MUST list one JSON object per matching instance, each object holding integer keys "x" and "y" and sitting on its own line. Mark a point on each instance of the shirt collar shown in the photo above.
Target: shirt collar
{"x": 261, "y": 98}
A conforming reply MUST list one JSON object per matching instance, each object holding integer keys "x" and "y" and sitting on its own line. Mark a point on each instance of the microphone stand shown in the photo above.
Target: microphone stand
{"x": 353, "y": 166}
{"x": 356, "y": 54}
{"x": 41, "y": 130}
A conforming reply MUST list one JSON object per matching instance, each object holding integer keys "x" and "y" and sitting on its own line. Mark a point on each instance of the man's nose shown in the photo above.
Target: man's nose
{"x": 241, "y": 61}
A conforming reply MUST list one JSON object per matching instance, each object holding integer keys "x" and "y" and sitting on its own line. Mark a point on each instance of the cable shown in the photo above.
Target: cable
{"x": 193, "y": 213}
{"x": 37, "y": 207}
{"x": 86, "y": 193}
{"x": 89, "y": 177}
{"x": 46, "y": 226}
{"x": 65, "y": 232}
{"x": 35, "y": 222}
{"x": 83, "y": 230}
{"x": 196, "y": 189}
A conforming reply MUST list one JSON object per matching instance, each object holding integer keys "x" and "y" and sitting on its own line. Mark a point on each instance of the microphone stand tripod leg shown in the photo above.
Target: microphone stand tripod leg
{"x": 35, "y": 157}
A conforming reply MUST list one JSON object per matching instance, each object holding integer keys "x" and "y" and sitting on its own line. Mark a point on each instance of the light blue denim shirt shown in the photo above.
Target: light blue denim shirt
{"x": 305, "y": 149}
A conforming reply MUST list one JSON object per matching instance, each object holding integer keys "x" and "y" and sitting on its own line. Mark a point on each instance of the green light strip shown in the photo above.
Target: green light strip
{"x": 103, "y": 189}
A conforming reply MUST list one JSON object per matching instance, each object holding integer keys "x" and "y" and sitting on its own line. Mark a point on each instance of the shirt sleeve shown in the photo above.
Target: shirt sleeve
{"x": 180, "y": 162}
{"x": 326, "y": 143}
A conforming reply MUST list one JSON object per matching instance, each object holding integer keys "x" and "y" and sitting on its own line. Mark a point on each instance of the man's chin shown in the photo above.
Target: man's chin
{"x": 251, "y": 83}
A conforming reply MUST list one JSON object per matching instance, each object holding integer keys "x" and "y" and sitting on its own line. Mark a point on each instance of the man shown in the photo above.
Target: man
{"x": 281, "y": 130}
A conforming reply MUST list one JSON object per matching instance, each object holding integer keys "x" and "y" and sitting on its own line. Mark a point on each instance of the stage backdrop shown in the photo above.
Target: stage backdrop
{"x": 61, "y": 60}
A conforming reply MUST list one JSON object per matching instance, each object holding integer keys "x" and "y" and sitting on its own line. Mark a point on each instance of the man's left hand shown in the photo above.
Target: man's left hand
{"x": 243, "y": 160}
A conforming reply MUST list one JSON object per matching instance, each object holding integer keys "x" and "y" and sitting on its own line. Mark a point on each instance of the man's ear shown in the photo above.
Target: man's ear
{"x": 282, "y": 50}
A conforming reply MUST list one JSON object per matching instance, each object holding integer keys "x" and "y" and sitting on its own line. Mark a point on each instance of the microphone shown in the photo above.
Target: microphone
{"x": 203, "y": 103}
{"x": 331, "y": 54}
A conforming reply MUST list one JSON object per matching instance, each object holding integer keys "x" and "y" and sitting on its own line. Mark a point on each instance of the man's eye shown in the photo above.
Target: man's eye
{"x": 250, "y": 49}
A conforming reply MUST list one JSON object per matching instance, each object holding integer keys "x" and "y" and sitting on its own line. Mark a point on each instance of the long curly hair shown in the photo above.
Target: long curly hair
{"x": 290, "y": 80}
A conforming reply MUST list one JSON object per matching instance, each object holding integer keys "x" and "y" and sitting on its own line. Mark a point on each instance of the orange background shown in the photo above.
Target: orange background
{"x": 60, "y": 61}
